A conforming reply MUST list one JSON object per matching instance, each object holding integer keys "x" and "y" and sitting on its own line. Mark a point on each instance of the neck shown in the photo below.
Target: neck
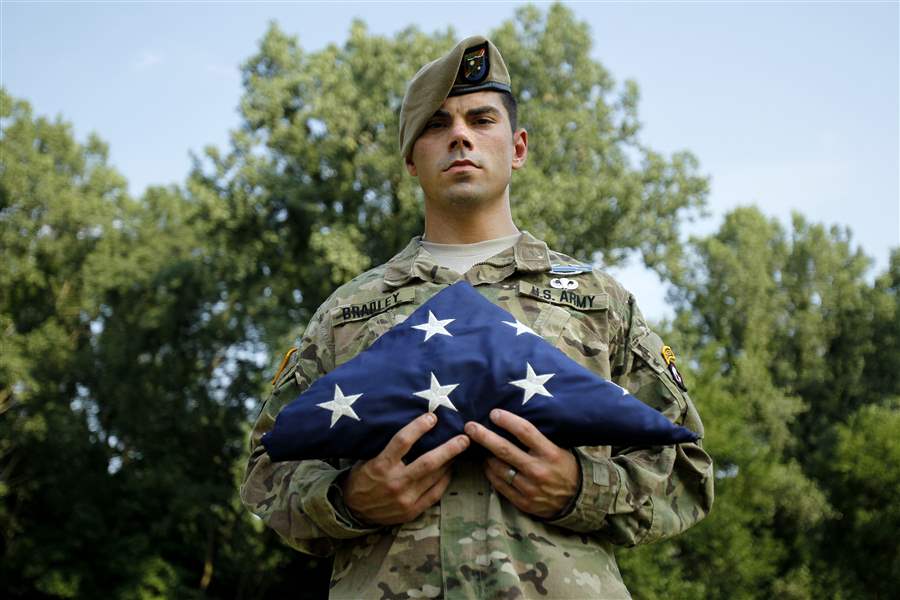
{"x": 460, "y": 224}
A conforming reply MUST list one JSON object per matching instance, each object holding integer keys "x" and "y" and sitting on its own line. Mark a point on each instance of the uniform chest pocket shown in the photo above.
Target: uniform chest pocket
{"x": 551, "y": 322}
{"x": 363, "y": 318}
{"x": 577, "y": 324}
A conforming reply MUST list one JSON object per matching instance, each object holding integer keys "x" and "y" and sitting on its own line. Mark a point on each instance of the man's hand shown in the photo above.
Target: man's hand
{"x": 385, "y": 491}
{"x": 545, "y": 478}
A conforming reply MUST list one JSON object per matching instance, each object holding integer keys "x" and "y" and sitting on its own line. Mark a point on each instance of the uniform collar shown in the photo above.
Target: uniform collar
{"x": 528, "y": 254}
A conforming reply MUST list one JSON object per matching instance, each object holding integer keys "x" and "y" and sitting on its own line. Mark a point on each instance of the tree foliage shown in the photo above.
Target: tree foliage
{"x": 315, "y": 171}
{"x": 137, "y": 333}
{"x": 123, "y": 389}
{"x": 784, "y": 332}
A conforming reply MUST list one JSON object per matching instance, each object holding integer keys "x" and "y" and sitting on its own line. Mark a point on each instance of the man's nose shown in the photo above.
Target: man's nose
{"x": 460, "y": 136}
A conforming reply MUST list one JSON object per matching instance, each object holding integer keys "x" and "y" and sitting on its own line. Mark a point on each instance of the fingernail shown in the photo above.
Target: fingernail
{"x": 463, "y": 441}
{"x": 495, "y": 414}
{"x": 470, "y": 428}
{"x": 432, "y": 419}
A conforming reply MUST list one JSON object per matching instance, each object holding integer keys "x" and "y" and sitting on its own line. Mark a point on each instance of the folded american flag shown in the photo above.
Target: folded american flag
{"x": 459, "y": 356}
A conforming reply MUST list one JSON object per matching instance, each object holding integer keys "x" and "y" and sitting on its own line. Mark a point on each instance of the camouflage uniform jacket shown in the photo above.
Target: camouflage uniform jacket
{"x": 473, "y": 543}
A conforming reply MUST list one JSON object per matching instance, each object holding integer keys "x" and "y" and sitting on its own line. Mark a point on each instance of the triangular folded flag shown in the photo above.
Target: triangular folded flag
{"x": 459, "y": 356}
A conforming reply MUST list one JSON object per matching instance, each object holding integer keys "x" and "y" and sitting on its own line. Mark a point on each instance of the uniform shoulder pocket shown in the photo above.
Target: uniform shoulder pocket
{"x": 648, "y": 347}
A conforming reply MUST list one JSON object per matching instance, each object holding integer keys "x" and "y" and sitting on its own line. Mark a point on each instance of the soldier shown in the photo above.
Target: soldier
{"x": 541, "y": 523}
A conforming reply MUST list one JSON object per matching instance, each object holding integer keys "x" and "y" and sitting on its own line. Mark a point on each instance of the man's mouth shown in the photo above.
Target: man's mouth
{"x": 461, "y": 164}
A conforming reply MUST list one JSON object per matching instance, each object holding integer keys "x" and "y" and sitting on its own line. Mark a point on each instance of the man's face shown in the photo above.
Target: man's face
{"x": 466, "y": 153}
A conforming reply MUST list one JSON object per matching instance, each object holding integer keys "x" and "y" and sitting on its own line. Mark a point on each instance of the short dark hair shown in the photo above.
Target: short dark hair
{"x": 512, "y": 109}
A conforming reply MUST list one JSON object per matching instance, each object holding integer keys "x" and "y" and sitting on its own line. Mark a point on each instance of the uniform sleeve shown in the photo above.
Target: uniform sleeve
{"x": 300, "y": 500}
{"x": 641, "y": 495}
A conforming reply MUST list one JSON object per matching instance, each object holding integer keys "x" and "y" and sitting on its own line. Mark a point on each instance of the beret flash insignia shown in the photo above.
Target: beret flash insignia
{"x": 474, "y": 66}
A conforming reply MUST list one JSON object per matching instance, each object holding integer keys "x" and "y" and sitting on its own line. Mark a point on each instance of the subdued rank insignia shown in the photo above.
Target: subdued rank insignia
{"x": 669, "y": 356}
{"x": 474, "y": 67}
{"x": 569, "y": 269}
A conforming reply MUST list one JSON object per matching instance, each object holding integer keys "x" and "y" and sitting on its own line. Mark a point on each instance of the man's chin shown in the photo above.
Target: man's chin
{"x": 463, "y": 195}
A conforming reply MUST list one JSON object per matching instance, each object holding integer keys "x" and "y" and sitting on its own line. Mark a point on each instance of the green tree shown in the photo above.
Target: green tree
{"x": 883, "y": 364}
{"x": 136, "y": 332}
{"x": 865, "y": 488}
{"x": 781, "y": 334}
{"x": 56, "y": 200}
{"x": 313, "y": 191}
{"x": 860, "y": 462}
{"x": 124, "y": 384}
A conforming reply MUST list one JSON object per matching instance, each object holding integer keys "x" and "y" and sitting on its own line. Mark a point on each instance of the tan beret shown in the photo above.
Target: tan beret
{"x": 474, "y": 65}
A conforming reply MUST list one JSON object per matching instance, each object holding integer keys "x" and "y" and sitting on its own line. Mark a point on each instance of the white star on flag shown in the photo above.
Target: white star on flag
{"x": 520, "y": 328}
{"x": 438, "y": 395}
{"x": 533, "y": 384}
{"x": 340, "y": 406}
{"x": 434, "y": 326}
{"x": 624, "y": 391}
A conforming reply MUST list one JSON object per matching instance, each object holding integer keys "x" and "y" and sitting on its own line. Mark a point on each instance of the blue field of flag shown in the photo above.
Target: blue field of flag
{"x": 459, "y": 356}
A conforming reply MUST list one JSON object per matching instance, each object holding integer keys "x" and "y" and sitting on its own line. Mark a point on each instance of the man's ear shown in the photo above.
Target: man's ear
{"x": 520, "y": 148}
{"x": 410, "y": 166}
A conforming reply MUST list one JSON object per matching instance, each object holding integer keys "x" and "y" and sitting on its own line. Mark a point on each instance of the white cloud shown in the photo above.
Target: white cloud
{"x": 147, "y": 60}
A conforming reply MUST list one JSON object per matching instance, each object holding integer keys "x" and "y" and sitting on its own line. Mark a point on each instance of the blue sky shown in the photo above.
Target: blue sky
{"x": 788, "y": 105}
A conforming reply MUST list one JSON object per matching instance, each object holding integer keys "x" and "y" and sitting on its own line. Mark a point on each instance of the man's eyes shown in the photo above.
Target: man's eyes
{"x": 477, "y": 121}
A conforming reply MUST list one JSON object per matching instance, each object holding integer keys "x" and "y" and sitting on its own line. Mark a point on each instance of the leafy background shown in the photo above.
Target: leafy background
{"x": 137, "y": 333}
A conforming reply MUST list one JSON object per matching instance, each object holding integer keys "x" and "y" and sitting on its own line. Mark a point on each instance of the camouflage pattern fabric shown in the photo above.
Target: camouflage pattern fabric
{"x": 473, "y": 543}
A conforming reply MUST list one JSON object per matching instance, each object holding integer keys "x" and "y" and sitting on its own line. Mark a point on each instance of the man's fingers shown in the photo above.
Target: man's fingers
{"x": 415, "y": 492}
{"x": 518, "y": 499}
{"x": 427, "y": 482}
{"x": 520, "y": 482}
{"x": 524, "y": 431}
{"x": 499, "y": 447}
{"x": 436, "y": 458}
{"x": 434, "y": 493}
{"x": 404, "y": 439}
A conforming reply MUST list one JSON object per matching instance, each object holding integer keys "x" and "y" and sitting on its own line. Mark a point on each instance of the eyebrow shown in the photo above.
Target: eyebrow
{"x": 472, "y": 112}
